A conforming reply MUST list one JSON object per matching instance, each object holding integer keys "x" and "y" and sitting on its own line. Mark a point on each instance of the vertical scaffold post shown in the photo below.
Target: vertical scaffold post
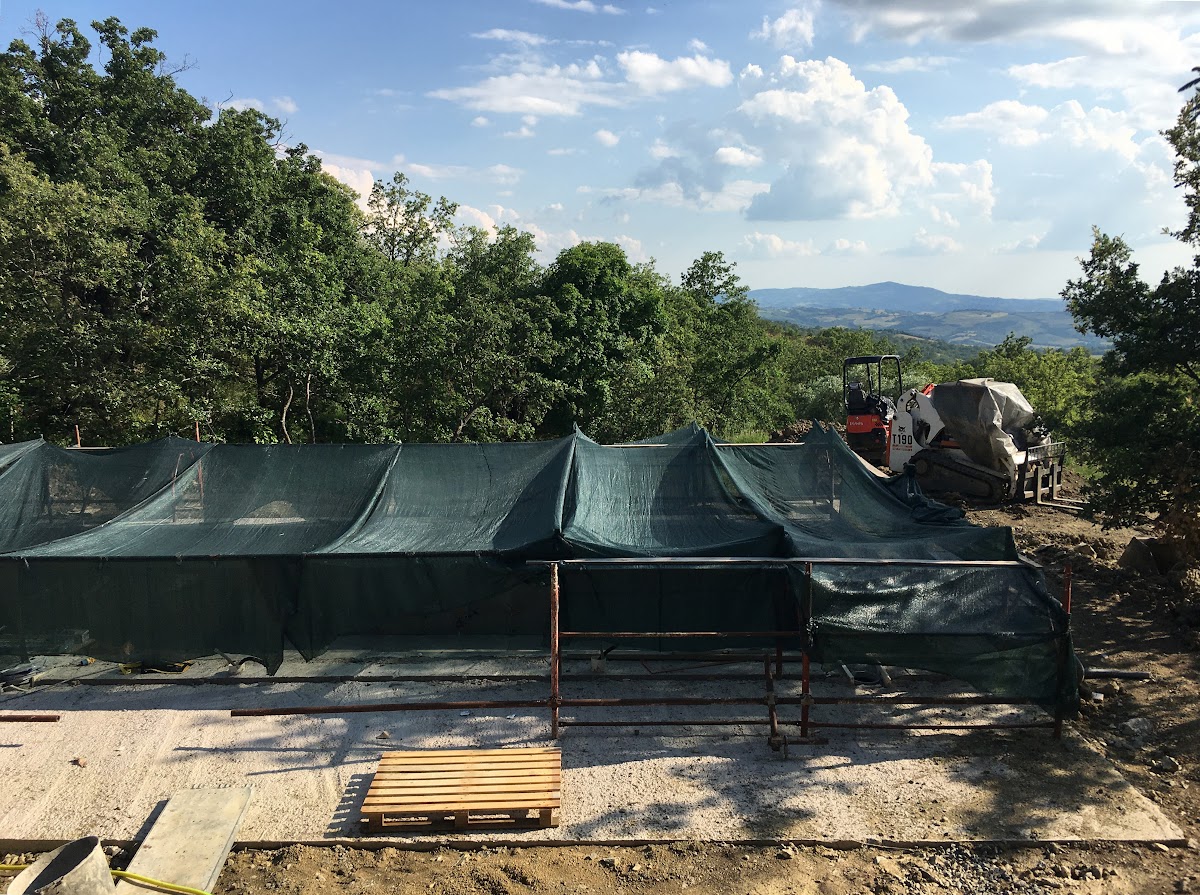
{"x": 1063, "y": 655}
{"x": 555, "y": 654}
{"x": 78, "y": 438}
{"x": 806, "y": 635}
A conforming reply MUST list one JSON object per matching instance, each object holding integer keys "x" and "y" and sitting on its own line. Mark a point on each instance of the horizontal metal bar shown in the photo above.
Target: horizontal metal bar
{"x": 769, "y": 562}
{"x": 707, "y": 722}
{"x": 31, "y": 719}
{"x": 637, "y": 702}
{"x": 879, "y": 726}
{"x": 903, "y": 700}
{"x": 391, "y": 707}
{"x": 652, "y": 635}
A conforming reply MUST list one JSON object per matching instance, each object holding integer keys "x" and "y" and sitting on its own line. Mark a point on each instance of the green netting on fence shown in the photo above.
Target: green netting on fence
{"x": 172, "y": 550}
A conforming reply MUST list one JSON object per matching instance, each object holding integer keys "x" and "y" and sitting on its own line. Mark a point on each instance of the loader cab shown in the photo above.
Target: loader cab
{"x": 870, "y": 387}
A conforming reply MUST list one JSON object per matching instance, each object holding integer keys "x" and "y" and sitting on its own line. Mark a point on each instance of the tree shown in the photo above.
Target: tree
{"x": 1144, "y": 432}
{"x": 405, "y": 224}
{"x": 606, "y": 318}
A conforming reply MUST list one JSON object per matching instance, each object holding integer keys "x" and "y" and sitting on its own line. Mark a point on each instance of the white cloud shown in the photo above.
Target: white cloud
{"x": 943, "y": 217}
{"x": 791, "y": 31}
{"x": 661, "y": 150}
{"x": 606, "y": 138}
{"x": 849, "y": 151}
{"x": 562, "y": 150}
{"x": 524, "y": 132}
{"x": 846, "y": 247}
{"x": 774, "y": 246}
{"x": 910, "y": 64}
{"x": 967, "y": 184}
{"x": 1137, "y": 50}
{"x": 751, "y": 71}
{"x": 285, "y": 104}
{"x": 1014, "y": 123}
{"x": 733, "y": 196}
{"x": 504, "y": 174}
{"x": 519, "y": 37}
{"x": 583, "y": 6}
{"x": 355, "y": 173}
{"x": 926, "y": 243}
{"x": 738, "y": 157}
{"x": 652, "y": 74}
{"x": 241, "y": 104}
{"x": 1025, "y": 244}
{"x": 479, "y": 121}
{"x": 633, "y": 248}
{"x": 697, "y": 45}
{"x": 469, "y": 216}
{"x": 535, "y": 89}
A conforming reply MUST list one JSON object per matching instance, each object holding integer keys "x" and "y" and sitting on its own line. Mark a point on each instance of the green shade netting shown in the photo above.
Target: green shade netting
{"x": 185, "y": 551}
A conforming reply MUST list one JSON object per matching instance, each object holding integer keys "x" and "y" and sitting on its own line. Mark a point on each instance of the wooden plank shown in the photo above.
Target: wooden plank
{"x": 509, "y": 805}
{"x": 529, "y": 783}
{"x": 441, "y": 753}
{"x": 463, "y": 761}
{"x": 518, "y": 774}
{"x": 488, "y": 786}
{"x": 509, "y": 750}
{"x": 485, "y": 800}
{"x": 190, "y": 840}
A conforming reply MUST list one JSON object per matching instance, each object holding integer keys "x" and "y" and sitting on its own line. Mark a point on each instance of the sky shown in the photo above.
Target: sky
{"x": 967, "y": 146}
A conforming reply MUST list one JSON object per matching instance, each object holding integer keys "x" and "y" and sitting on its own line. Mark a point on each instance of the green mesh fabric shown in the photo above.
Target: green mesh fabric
{"x": 172, "y": 550}
{"x": 47, "y": 493}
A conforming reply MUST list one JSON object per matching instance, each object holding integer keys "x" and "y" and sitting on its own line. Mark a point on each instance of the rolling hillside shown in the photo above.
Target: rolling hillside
{"x": 969, "y": 320}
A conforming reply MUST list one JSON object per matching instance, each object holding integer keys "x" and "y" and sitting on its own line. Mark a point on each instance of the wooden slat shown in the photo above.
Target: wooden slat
{"x": 529, "y": 784}
{"x": 467, "y": 753}
{"x": 538, "y": 761}
{"x": 472, "y": 805}
{"x": 471, "y": 773}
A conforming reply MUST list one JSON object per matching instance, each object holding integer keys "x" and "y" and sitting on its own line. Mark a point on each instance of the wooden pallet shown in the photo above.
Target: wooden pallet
{"x": 464, "y": 789}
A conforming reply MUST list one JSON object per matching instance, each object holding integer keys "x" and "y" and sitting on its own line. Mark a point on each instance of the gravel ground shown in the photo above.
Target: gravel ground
{"x": 120, "y": 750}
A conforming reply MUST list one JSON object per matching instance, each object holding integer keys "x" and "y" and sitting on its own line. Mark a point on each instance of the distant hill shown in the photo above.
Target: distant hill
{"x": 969, "y": 320}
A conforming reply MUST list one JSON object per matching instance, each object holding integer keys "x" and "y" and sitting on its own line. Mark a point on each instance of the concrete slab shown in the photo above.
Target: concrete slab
{"x": 142, "y": 743}
{"x": 190, "y": 839}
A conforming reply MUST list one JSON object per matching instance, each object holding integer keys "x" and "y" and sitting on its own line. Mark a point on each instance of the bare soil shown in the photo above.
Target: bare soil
{"x": 1121, "y": 621}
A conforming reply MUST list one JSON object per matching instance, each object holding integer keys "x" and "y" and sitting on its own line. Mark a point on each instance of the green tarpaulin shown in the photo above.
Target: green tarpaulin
{"x": 173, "y": 549}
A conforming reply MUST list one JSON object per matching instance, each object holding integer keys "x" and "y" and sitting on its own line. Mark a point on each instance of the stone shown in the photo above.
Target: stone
{"x": 1139, "y": 557}
{"x": 890, "y": 867}
{"x": 1137, "y": 728}
{"x": 1166, "y": 764}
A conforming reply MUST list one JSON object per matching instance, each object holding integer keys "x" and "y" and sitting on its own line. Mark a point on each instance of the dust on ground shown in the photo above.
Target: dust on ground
{"x": 1151, "y": 729}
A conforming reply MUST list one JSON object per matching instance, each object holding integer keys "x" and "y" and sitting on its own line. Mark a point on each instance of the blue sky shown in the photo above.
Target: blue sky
{"x": 965, "y": 146}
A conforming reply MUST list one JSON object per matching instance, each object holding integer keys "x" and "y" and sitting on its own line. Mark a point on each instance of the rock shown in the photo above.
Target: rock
{"x": 1139, "y": 557}
{"x": 383, "y": 735}
{"x": 1084, "y": 551}
{"x": 784, "y": 854}
{"x": 610, "y": 863}
{"x": 1110, "y": 688}
{"x": 1193, "y": 845}
{"x": 1160, "y": 847}
{"x": 1166, "y": 764}
{"x": 1183, "y": 885}
{"x": 1062, "y": 871}
{"x": 890, "y": 867}
{"x": 1137, "y": 728}
{"x": 79, "y": 762}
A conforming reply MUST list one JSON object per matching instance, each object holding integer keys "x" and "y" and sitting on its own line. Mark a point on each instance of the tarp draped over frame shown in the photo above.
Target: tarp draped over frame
{"x": 173, "y": 549}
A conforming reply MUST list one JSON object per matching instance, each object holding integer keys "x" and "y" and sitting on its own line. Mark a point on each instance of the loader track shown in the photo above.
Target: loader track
{"x": 938, "y": 472}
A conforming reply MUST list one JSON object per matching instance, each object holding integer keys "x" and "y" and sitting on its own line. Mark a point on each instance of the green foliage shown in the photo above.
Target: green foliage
{"x": 1144, "y": 432}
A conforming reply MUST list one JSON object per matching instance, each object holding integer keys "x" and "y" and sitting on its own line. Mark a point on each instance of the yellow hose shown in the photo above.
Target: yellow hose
{"x": 158, "y": 883}
{"x": 125, "y": 874}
